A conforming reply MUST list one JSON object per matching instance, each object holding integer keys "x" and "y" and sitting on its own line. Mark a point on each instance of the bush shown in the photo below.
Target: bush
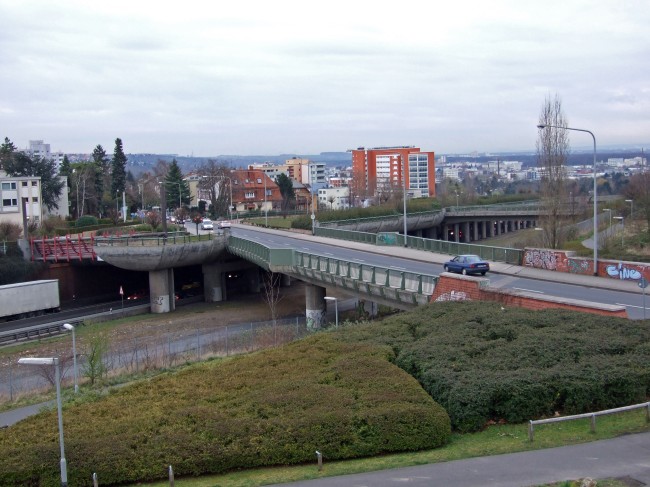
{"x": 270, "y": 408}
{"x": 86, "y": 221}
{"x": 483, "y": 364}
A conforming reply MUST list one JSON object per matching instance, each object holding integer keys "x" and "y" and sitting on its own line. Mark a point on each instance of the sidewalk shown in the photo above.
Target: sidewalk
{"x": 626, "y": 456}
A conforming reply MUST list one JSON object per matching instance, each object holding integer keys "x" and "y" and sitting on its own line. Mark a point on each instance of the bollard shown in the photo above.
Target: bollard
{"x": 171, "y": 477}
{"x": 319, "y": 456}
{"x": 95, "y": 481}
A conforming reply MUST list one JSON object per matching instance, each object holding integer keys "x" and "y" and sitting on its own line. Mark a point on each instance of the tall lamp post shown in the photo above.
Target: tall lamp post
{"x": 404, "y": 188}
{"x": 623, "y": 232}
{"x": 71, "y": 328}
{"x": 53, "y": 361}
{"x": 336, "y": 307}
{"x": 631, "y": 202}
{"x": 543, "y": 126}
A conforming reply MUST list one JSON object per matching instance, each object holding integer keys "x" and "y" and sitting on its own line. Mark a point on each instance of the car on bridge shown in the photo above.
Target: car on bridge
{"x": 206, "y": 224}
{"x": 467, "y": 264}
{"x": 223, "y": 224}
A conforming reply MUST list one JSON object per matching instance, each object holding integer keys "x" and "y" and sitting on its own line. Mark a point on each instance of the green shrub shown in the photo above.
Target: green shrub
{"x": 86, "y": 221}
{"x": 483, "y": 364}
{"x": 270, "y": 408}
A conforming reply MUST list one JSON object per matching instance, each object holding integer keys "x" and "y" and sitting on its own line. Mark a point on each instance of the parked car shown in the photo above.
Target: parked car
{"x": 206, "y": 224}
{"x": 467, "y": 264}
{"x": 223, "y": 224}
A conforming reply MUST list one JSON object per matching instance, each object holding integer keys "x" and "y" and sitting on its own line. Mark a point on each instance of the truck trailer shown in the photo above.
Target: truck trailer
{"x": 25, "y": 299}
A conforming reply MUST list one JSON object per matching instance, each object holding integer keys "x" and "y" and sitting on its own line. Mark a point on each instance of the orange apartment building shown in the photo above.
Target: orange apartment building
{"x": 385, "y": 168}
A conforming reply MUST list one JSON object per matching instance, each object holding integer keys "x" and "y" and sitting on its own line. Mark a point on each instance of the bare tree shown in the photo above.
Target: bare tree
{"x": 272, "y": 293}
{"x": 552, "y": 154}
{"x": 215, "y": 178}
{"x": 638, "y": 190}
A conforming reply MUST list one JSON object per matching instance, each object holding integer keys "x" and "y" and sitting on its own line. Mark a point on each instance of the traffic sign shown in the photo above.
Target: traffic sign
{"x": 643, "y": 283}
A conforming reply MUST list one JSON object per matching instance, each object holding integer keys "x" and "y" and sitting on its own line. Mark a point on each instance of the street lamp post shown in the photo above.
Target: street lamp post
{"x": 623, "y": 232}
{"x": 631, "y": 202}
{"x": 404, "y": 186}
{"x": 336, "y": 307}
{"x": 54, "y": 361}
{"x": 543, "y": 126}
{"x": 609, "y": 229}
{"x": 71, "y": 328}
{"x": 266, "y": 211}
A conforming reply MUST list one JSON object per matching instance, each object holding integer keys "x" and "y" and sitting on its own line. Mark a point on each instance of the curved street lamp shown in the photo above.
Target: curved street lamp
{"x": 71, "y": 328}
{"x": 543, "y": 126}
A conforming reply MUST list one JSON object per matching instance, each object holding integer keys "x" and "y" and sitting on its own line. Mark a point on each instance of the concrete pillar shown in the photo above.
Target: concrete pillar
{"x": 445, "y": 232}
{"x": 484, "y": 226}
{"x": 213, "y": 283}
{"x": 314, "y": 305}
{"x": 475, "y": 236}
{"x": 285, "y": 280}
{"x": 253, "y": 279}
{"x": 466, "y": 232}
{"x": 161, "y": 290}
{"x": 456, "y": 232}
{"x": 498, "y": 228}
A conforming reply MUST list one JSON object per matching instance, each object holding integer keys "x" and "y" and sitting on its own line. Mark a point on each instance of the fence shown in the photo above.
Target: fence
{"x": 592, "y": 416}
{"x": 146, "y": 352}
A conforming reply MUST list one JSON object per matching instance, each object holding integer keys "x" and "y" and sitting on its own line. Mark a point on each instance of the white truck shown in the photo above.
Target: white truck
{"x": 25, "y": 299}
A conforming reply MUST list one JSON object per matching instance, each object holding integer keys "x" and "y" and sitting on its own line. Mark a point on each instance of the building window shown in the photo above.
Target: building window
{"x": 34, "y": 183}
{"x": 24, "y": 184}
{"x": 250, "y": 194}
{"x": 7, "y": 186}
{"x": 10, "y": 202}
{"x": 35, "y": 199}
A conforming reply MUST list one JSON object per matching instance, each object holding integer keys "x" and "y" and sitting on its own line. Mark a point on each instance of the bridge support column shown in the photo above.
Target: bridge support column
{"x": 456, "y": 232}
{"x": 285, "y": 280}
{"x": 315, "y": 305}
{"x": 213, "y": 283}
{"x": 466, "y": 238}
{"x": 161, "y": 290}
{"x": 484, "y": 226}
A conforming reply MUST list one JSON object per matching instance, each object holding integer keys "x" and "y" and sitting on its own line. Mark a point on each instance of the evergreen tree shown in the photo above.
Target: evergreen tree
{"x": 6, "y": 152}
{"x": 65, "y": 169}
{"x": 118, "y": 169}
{"x": 174, "y": 183}
{"x": 286, "y": 190}
{"x": 102, "y": 181}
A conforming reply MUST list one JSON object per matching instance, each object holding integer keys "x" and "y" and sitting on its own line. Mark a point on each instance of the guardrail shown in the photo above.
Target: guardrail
{"x": 496, "y": 254}
{"x": 592, "y": 416}
{"x": 157, "y": 240}
{"x": 36, "y": 331}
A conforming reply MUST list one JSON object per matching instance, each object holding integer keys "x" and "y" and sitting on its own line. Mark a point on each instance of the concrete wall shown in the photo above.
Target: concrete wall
{"x": 454, "y": 287}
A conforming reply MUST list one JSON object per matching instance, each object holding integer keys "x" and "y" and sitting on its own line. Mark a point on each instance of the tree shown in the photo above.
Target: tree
{"x": 552, "y": 154}
{"x": 82, "y": 183}
{"x": 214, "y": 177}
{"x": 102, "y": 178}
{"x": 286, "y": 190}
{"x": 19, "y": 164}
{"x": 176, "y": 188}
{"x": 118, "y": 169}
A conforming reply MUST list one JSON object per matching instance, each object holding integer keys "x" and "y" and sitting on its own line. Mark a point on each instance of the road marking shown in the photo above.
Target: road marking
{"x": 528, "y": 290}
{"x": 329, "y": 253}
{"x": 630, "y": 306}
{"x": 398, "y": 268}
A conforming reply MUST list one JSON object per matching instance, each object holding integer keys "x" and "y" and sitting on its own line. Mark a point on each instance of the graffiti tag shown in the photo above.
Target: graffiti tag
{"x": 622, "y": 272}
{"x": 541, "y": 259}
{"x": 453, "y": 296}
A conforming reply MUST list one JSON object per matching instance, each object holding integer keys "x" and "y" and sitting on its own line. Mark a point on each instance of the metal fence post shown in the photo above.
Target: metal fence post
{"x": 95, "y": 480}
{"x": 171, "y": 476}
{"x": 530, "y": 430}
{"x": 593, "y": 423}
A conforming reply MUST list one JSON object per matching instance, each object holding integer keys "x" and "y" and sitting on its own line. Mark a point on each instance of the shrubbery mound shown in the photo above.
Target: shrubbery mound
{"x": 483, "y": 363}
{"x": 271, "y": 408}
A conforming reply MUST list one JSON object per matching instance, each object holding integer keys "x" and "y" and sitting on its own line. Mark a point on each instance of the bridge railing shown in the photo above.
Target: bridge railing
{"x": 403, "y": 287}
{"x": 496, "y": 254}
{"x": 170, "y": 238}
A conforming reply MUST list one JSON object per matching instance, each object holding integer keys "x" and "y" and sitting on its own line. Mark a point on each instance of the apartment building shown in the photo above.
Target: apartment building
{"x": 381, "y": 169}
{"x": 20, "y": 196}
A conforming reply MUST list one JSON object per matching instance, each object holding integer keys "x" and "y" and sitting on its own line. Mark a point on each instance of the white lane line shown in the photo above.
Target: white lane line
{"x": 630, "y": 305}
{"x": 528, "y": 290}
{"x": 329, "y": 253}
{"x": 398, "y": 268}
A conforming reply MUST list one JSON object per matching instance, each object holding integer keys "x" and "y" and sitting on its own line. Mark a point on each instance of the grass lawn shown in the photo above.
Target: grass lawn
{"x": 495, "y": 440}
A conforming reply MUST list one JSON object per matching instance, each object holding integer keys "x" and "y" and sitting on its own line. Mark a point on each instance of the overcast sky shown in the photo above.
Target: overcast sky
{"x": 275, "y": 77}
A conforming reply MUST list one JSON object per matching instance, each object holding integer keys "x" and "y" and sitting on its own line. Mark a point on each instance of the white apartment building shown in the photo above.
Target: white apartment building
{"x": 334, "y": 198}
{"x": 20, "y": 195}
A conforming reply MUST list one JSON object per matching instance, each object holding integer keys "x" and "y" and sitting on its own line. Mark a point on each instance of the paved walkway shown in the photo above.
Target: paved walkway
{"x": 627, "y": 456}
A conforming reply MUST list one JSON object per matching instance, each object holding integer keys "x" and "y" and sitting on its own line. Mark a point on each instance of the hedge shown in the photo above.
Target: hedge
{"x": 483, "y": 363}
{"x": 271, "y": 408}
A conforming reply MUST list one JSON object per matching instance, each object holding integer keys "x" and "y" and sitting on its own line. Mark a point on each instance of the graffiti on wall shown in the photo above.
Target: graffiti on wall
{"x": 541, "y": 259}
{"x": 624, "y": 271}
{"x": 580, "y": 266}
{"x": 453, "y": 296}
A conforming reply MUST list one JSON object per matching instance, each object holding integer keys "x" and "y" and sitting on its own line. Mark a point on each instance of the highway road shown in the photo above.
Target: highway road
{"x": 380, "y": 256}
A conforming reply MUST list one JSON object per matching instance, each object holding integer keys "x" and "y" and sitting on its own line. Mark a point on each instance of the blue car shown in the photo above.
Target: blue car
{"x": 467, "y": 264}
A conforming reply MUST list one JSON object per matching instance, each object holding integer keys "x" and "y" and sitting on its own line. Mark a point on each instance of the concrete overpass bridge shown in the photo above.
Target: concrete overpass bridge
{"x": 382, "y": 285}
